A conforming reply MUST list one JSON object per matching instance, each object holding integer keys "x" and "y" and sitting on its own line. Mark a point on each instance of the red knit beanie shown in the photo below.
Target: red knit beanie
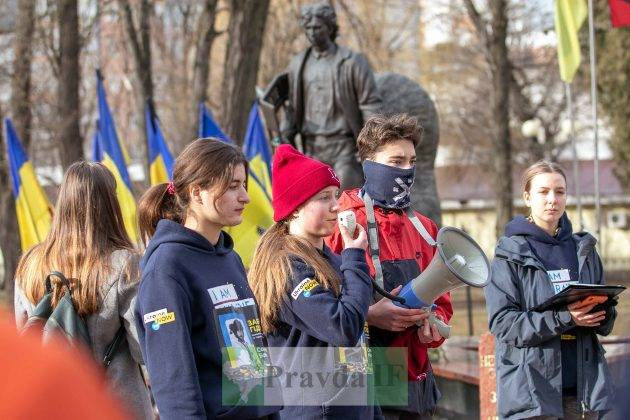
{"x": 295, "y": 178}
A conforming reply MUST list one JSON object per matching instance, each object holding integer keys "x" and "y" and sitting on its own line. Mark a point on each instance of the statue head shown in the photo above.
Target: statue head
{"x": 319, "y": 21}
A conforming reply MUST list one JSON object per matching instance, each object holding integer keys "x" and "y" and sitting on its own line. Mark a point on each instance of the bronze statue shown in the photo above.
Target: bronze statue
{"x": 332, "y": 92}
{"x": 329, "y": 122}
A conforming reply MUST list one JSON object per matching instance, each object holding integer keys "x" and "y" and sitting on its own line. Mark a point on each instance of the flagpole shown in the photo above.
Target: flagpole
{"x": 576, "y": 178}
{"x": 591, "y": 32}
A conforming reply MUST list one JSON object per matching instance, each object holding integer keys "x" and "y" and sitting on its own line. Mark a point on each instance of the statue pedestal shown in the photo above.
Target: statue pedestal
{"x": 487, "y": 379}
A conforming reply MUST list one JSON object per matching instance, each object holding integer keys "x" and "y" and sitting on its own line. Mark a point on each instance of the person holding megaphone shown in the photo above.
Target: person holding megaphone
{"x": 549, "y": 363}
{"x": 401, "y": 246}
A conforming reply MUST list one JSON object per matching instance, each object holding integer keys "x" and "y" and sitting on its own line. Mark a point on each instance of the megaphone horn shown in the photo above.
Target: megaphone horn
{"x": 459, "y": 261}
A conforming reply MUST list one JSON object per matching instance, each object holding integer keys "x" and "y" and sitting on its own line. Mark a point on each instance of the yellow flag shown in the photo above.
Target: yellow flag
{"x": 31, "y": 204}
{"x": 569, "y": 16}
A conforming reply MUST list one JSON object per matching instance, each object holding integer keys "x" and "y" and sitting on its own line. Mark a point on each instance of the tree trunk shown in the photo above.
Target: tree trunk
{"x": 21, "y": 110}
{"x": 9, "y": 234}
{"x": 245, "y": 37}
{"x": 21, "y": 80}
{"x": 68, "y": 132}
{"x": 140, "y": 40}
{"x": 201, "y": 70}
{"x": 501, "y": 111}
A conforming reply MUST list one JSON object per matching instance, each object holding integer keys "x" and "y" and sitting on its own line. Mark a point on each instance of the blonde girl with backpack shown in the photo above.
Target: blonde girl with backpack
{"x": 88, "y": 243}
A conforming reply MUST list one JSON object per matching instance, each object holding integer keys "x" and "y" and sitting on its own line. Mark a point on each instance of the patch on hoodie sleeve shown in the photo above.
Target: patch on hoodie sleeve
{"x": 305, "y": 287}
{"x": 158, "y": 318}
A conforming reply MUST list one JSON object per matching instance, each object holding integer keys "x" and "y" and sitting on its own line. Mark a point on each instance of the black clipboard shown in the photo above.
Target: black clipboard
{"x": 575, "y": 292}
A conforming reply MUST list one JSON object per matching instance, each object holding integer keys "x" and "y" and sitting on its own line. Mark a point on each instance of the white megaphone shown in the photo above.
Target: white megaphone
{"x": 459, "y": 261}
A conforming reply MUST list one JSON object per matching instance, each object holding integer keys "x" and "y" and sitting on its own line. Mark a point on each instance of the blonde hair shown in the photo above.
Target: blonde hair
{"x": 271, "y": 271}
{"x": 540, "y": 167}
{"x": 87, "y": 227}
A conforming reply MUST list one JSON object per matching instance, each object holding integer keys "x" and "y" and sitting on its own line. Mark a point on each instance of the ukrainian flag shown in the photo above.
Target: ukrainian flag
{"x": 31, "y": 204}
{"x": 258, "y": 214}
{"x": 107, "y": 149}
{"x": 207, "y": 126}
{"x": 160, "y": 158}
{"x": 569, "y": 16}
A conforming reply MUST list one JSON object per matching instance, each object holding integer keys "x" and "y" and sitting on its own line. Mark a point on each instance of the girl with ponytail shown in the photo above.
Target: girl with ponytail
{"x": 194, "y": 287}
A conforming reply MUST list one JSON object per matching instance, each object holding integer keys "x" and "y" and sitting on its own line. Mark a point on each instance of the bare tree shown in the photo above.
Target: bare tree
{"x": 68, "y": 131}
{"x": 283, "y": 42}
{"x": 245, "y": 36}
{"x": 201, "y": 66}
{"x": 21, "y": 110}
{"x": 140, "y": 40}
{"x": 9, "y": 234}
{"x": 493, "y": 35}
{"x": 386, "y": 31}
{"x": 21, "y": 81}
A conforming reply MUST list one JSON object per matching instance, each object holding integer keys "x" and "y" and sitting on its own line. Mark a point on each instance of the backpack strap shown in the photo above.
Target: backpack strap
{"x": 377, "y": 281}
{"x": 373, "y": 238}
{"x": 420, "y": 227}
{"x": 64, "y": 281}
{"x": 111, "y": 349}
{"x": 373, "y": 241}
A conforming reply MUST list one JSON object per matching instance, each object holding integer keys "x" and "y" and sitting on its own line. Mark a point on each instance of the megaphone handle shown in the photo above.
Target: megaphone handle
{"x": 443, "y": 328}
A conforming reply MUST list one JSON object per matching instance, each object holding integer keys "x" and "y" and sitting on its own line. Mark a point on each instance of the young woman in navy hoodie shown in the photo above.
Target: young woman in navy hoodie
{"x": 549, "y": 364}
{"x": 193, "y": 294}
{"x": 312, "y": 301}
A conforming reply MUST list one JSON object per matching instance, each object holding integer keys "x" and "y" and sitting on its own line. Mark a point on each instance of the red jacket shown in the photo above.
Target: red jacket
{"x": 403, "y": 255}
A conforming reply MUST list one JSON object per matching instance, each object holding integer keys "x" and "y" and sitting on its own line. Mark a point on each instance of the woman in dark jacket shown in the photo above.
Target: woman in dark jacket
{"x": 548, "y": 363}
{"x": 313, "y": 303}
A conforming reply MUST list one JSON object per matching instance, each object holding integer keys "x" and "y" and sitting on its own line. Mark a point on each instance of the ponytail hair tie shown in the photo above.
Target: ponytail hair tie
{"x": 170, "y": 188}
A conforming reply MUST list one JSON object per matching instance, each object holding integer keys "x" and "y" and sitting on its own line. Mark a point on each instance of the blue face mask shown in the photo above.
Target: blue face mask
{"x": 388, "y": 186}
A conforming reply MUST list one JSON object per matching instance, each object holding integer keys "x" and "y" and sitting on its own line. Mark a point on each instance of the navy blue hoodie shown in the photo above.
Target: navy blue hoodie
{"x": 184, "y": 279}
{"x": 557, "y": 254}
{"x": 312, "y": 316}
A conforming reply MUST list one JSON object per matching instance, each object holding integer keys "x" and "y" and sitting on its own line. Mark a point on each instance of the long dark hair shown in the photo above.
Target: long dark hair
{"x": 204, "y": 163}
{"x": 87, "y": 227}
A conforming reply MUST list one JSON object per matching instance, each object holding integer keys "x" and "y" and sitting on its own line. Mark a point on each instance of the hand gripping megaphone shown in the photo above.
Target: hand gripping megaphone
{"x": 459, "y": 261}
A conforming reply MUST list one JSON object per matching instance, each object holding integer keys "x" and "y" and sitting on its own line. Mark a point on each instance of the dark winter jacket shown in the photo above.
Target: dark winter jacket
{"x": 185, "y": 279}
{"x": 559, "y": 257}
{"x": 528, "y": 345}
{"x": 314, "y": 322}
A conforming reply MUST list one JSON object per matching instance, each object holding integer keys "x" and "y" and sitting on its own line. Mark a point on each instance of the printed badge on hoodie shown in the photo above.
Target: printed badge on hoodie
{"x": 245, "y": 354}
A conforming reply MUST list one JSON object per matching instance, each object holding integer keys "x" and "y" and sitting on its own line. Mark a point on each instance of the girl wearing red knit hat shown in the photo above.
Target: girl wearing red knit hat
{"x": 313, "y": 303}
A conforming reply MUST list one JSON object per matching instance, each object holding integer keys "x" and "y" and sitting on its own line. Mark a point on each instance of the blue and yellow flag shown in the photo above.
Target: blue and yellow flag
{"x": 207, "y": 126}
{"x": 257, "y": 150}
{"x": 107, "y": 149}
{"x": 31, "y": 204}
{"x": 160, "y": 158}
{"x": 258, "y": 214}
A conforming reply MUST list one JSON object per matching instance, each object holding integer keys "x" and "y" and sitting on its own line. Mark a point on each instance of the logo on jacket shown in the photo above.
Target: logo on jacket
{"x": 305, "y": 287}
{"x": 159, "y": 317}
